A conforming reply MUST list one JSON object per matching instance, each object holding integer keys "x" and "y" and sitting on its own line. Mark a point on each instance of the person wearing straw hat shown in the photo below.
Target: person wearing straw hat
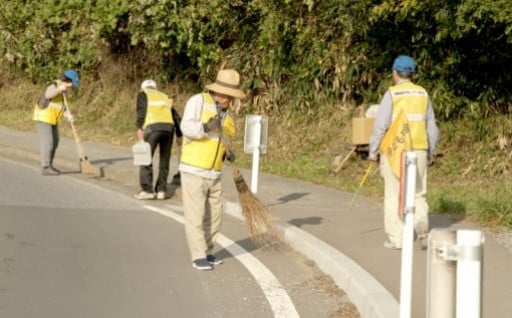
{"x": 48, "y": 112}
{"x": 206, "y": 124}
{"x": 409, "y": 103}
{"x": 156, "y": 121}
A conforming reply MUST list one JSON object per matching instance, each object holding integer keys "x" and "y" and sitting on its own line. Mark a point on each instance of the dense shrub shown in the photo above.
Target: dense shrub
{"x": 302, "y": 56}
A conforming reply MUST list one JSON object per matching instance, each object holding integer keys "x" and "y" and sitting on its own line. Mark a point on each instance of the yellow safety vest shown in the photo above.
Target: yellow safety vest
{"x": 413, "y": 100}
{"x": 158, "y": 108}
{"x": 206, "y": 153}
{"x": 53, "y": 112}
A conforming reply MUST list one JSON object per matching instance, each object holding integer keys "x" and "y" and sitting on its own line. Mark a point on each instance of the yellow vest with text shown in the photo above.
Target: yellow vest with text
{"x": 53, "y": 112}
{"x": 207, "y": 152}
{"x": 413, "y": 100}
{"x": 158, "y": 108}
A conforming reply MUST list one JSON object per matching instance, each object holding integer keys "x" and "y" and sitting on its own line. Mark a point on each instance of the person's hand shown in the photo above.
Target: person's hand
{"x": 140, "y": 134}
{"x": 212, "y": 124}
{"x": 62, "y": 87}
{"x": 373, "y": 158}
{"x": 430, "y": 162}
{"x": 179, "y": 141}
{"x": 229, "y": 156}
{"x": 69, "y": 116}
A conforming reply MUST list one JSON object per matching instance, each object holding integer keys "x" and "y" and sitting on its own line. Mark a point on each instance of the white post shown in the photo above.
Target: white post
{"x": 441, "y": 275}
{"x": 256, "y": 155}
{"x": 469, "y": 273}
{"x": 408, "y": 235}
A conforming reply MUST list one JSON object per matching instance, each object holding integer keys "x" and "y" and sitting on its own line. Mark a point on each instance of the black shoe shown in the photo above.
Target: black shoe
{"x": 54, "y": 169}
{"x": 202, "y": 264}
{"x": 176, "y": 179}
{"x": 213, "y": 260}
{"x": 48, "y": 171}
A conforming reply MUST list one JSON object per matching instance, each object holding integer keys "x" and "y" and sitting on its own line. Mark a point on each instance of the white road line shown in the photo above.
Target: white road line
{"x": 277, "y": 297}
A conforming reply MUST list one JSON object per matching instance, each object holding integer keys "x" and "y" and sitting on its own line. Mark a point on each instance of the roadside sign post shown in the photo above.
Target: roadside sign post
{"x": 408, "y": 233}
{"x": 255, "y": 142}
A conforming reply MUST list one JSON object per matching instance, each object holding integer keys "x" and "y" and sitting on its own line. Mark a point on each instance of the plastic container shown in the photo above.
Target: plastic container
{"x": 141, "y": 153}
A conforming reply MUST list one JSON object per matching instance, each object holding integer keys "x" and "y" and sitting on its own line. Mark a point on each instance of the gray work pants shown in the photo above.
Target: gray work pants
{"x": 48, "y": 142}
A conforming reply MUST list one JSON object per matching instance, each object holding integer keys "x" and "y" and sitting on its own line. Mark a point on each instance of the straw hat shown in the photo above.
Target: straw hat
{"x": 227, "y": 83}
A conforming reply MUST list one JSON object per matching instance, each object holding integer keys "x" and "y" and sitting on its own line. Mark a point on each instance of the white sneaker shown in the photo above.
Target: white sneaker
{"x": 143, "y": 195}
{"x": 391, "y": 245}
{"x": 422, "y": 231}
{"x": 160, "y": 195}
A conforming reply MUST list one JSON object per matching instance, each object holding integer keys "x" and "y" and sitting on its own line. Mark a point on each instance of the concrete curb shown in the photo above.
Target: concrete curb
{"x": 370, "y": 297}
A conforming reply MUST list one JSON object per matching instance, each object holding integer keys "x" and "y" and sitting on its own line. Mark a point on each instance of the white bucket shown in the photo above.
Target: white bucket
{"x": 141, "y": 153}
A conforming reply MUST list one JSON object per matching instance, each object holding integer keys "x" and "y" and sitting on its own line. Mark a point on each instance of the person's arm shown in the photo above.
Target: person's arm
{"x": 142, "y": 105}
{"x": 191, "y": 125}
{"x": 381, "y": 125}
{"x": 176, "y": 118}
{"x": 432, "y": 131}
{"x": 53, "y": 90}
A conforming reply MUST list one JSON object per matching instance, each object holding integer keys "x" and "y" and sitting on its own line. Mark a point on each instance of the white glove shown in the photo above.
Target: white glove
{"x": 62, "y": 88}
{"x": 69, "y": 116}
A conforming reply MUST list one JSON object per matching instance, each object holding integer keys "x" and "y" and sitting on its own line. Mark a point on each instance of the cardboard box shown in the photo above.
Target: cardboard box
{"x": 361, "y": 130}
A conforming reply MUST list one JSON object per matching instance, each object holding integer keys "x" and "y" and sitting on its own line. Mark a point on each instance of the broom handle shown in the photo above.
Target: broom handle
{"x": 361, "y": 183}
{"x": 79, "y": 147}
{"x": 221, "y": 135}
{"x": 224, "y": 141}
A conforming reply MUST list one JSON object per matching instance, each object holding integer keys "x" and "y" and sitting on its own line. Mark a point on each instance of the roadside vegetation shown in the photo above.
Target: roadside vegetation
{"x": 309, "y": 65}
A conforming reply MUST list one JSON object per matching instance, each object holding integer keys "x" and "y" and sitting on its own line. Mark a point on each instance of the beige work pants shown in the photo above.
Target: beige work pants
{"x": 202, "y": 203}
{"x": 393, "y": 225}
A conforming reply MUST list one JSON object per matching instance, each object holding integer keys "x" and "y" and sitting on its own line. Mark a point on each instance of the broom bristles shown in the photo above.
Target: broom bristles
{"x": 256, "y": 215}
{"x": 87, "y": 168}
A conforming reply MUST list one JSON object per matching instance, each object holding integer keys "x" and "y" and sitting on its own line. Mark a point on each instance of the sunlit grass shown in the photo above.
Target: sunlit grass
{"x": 471, "y": 176}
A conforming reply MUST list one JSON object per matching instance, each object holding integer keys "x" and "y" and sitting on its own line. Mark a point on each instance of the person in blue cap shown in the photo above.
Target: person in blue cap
{"x": 414, "y": 102}
{"x": 48, "y": 112}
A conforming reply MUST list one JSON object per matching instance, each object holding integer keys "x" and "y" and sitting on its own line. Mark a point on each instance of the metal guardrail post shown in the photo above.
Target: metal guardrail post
{"x": 455, "y": 274}
{"x": 441, "y": 276}
{"x": 469, "y": 273}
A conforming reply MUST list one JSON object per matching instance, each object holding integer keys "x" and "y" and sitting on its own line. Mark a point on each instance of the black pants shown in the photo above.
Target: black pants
{"x": 162, "y": 139}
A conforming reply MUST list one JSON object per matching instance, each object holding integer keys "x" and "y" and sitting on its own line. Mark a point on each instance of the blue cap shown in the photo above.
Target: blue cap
{"x": 73, "y": 76}
{"x": 404, "y": 64}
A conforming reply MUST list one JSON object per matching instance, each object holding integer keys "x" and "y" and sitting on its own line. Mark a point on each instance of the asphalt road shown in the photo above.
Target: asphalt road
{"x": 74, "y": 247}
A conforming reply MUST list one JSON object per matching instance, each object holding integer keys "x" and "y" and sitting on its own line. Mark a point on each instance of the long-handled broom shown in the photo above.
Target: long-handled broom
{"x": 85, "y": 166}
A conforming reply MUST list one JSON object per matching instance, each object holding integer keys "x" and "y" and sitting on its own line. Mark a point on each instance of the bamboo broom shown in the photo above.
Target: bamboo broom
{"x": 257, "y": 217}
